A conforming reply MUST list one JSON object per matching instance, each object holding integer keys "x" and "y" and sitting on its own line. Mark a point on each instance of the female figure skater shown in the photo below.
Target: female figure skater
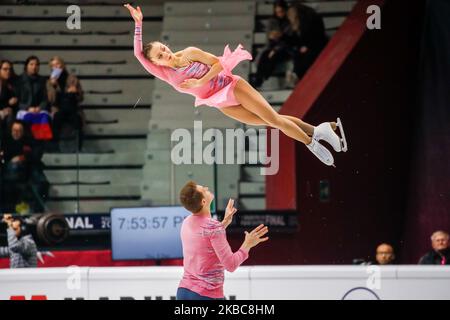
{"x": 209, "y": 79}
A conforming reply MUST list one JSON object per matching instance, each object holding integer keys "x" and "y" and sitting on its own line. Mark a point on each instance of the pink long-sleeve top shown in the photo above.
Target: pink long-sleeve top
{"x": 218, "y": 92}
{"x": 206, "y": 255}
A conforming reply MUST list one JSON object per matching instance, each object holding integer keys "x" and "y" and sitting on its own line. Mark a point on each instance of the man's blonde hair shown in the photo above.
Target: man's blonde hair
{"x": 59, "y": 59}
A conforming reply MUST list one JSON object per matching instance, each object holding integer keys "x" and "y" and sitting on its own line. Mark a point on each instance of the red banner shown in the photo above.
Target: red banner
{"x": 92, "y": 258}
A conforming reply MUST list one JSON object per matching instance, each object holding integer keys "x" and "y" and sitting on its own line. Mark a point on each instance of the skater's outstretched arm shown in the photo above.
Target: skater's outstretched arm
{"x": 155, "y": 70}
{"x": 223, "y": 251}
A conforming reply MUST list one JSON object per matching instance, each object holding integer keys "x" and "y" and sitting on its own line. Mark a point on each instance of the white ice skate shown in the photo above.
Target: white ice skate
{"x": 324, "y": 131}
{"x": 341, "y": 131}
{"x": 321, "y": 152}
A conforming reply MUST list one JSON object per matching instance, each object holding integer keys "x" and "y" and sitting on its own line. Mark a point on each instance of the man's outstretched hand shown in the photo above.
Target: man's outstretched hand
{"x": 255, "y": 237}
{"x": 229, "y": 213}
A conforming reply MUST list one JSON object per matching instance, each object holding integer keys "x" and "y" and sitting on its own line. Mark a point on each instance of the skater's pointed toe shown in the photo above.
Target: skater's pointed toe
{"x": 325, "y": 132}
{"x": 321, "y": 152}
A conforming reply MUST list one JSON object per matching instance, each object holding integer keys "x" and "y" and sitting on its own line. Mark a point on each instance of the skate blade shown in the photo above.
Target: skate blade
{"x": 333, "y": 134}
{"x": 343, "y": 139}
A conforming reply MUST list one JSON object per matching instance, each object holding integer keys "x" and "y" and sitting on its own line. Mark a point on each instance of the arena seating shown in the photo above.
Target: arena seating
{"x": 125, "y": 159}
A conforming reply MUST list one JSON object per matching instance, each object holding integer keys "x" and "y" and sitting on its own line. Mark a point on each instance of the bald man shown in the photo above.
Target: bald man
{"x": 440, "y": 254}
{"x": 385, "y": 254}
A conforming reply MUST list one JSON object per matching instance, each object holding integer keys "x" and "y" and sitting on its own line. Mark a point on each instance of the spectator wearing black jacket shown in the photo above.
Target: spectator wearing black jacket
{"x": 304, "y": 38}
{"x": 8, "y": 96}
{"x": 65, "y": 95}
{"x": 440, "y": 255}
{"x": 21, "y": 169}
{"x": 32, "y": 92}
{"x": 271, "y": 56}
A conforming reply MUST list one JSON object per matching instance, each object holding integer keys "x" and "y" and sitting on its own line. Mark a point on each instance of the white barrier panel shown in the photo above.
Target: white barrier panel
{"x": 151, "y": 283}
{"x": 53, "y": 283}
{"x": 154, "y": 283}
{"x": 351, "y": 282}
{"x": 258, "y": 282}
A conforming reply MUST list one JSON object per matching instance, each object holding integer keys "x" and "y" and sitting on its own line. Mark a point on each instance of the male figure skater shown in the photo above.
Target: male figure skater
{"x": 206, "y": 250}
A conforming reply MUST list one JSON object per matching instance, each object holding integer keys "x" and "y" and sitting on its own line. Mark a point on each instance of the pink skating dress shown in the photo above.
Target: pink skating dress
{"x": 218, "y": 92}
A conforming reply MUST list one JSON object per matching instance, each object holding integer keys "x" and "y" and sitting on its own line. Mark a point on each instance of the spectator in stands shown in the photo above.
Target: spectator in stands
{"x": 21, "y": 249}
{"x": 8, "y": 96}
{"x": 21, "y": 169}
{"x": 385, "y": 254}
{"x": 304, "y": 38}
{"x": 272, "y": 54}
{"x": 32, "y": 91}
{"x": 65, "y": 95}
{"x": 441, "y": 252}
{"x": 16, "y": 155}
{"x": 33, "y": 103}
{"x": 16, "y": 150}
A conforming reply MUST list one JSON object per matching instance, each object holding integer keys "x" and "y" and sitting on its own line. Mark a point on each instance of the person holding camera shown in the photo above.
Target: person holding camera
{"x": 21, "y": 249}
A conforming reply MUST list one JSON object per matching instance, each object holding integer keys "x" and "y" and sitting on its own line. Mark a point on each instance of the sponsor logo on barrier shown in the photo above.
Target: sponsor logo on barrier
{"x": 360, "y": 293}
{"x": 36, "y": 297}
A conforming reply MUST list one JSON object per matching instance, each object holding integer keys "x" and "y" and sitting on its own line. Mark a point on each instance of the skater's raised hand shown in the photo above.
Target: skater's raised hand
{"x": 135, "y": 13}
{"x": 229, "y": 213}
{"x": 255, "y": 237}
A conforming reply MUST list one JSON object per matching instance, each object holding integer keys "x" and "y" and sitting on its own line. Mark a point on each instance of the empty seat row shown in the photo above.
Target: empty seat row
{"x": 184, "y": 9}
{"x": 322, "y": 7}
{"x": 94, "y": 159}
{"x": 94, "y": 191}
{"x": 130, "y": 144}
{"x": 132, "y": 92}
{"x": 60, "y": 11}
{"x": 94, "y": 176}
{"x": 116, "y": 122}
{"x": 162, "y": 181}
{"x": 196, "y": 38}
{"x": 50, "y": 26}
{"x": 273, "y": 97}
{"x": 204, "y": 23}
{"x": 120, "y": 128}
{"x": 91, "y": 206}
{"x": 58, "y": 40}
